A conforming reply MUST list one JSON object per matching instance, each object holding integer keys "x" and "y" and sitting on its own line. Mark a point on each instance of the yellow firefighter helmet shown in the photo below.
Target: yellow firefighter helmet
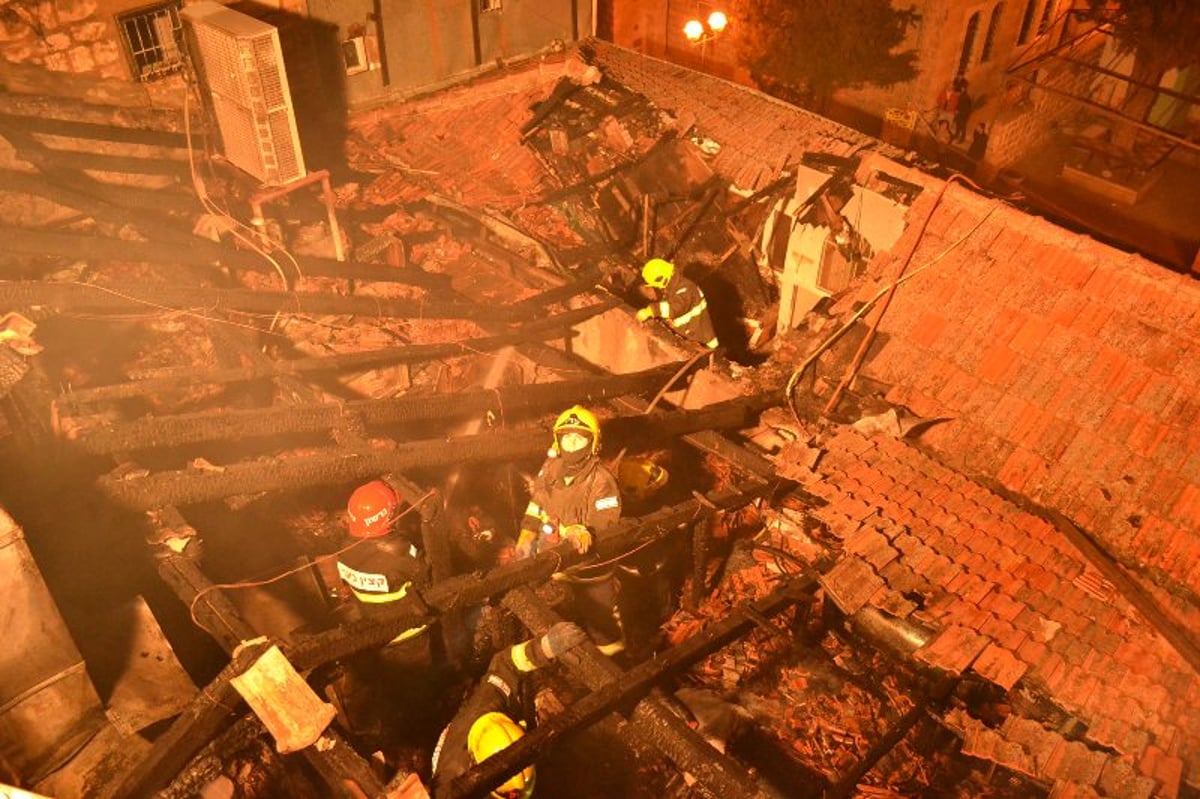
{"x": 579, "y": 419}
{"x": 640, "y": 478}
{"x": 657, "y": 273}
{"x": 491, "y": 733}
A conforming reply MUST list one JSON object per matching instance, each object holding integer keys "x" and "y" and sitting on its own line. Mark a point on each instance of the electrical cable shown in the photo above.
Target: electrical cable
{"x": 165, "y": 309}
{"x": 212, "y": 208}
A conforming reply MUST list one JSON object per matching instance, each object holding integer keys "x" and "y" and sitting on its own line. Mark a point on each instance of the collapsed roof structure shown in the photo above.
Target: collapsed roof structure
{"x": 959, "y": 456}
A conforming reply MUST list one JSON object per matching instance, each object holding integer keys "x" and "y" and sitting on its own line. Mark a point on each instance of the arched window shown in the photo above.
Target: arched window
{"x": 1047, "y": 16}
{"x": 990, "y": 39}
{"x": 968, "y": 48}
{"x": 1027, "y": 21}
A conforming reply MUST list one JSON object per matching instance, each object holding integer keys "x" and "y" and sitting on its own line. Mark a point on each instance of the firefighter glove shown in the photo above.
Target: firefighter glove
{"x": 561, "y": 637}
{"x": 526, "y": 545}
{"x": 579, "y": 536}
{"x": 645, "y": 313}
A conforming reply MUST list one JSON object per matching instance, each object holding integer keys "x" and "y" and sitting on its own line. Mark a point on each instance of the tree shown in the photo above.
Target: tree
{"x": 818, "y": 46}
{"x": 1161, "y": 35}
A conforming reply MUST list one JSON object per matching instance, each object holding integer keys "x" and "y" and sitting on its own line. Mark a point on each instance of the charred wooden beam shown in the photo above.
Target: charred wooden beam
{"x": 466, "y": 590}
{"x": 205, "y": 601}
{"x": 50, "y": 163}
{"x": 106, "y": 162}
{"x": 200, "y": 252}
{"x": 558, "y": 95}
{"x": 231, "y": 425}
{"x": 435, "y": 540}
{"x": 94, "y": 130}
{"x": 342, "y": 466}
{"x": 335, "y": 761}
{"x": 701, "y": 210}
{"x": 1171, "y": 631}
{"x": 62, "y": 191}
{"x": 94, "y": 298}
{"x": 175, "y": 378}
{"x": 545, "y": 299}
{"x": 701, "y": 534}
{"x": 653, "y": 721}
{"x": 636, "y": 682}
{"x": 847, "y": 783}
{"x": 216, "y": 706}
{"x": 600, "y": 177}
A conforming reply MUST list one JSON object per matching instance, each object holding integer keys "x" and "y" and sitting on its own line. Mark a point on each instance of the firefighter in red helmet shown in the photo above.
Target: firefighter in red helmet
{"x": 381, "y": 565}
{"x": 381, "y": 569}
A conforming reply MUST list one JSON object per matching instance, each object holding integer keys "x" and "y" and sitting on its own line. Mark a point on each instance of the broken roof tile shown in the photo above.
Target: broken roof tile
{"x": 954, "y": 649}
{"x": 850, "y": 583}
{"x": 1165, "y": 769}
{"x": 1119, "y": 778}
{"x": 998, "y": 665}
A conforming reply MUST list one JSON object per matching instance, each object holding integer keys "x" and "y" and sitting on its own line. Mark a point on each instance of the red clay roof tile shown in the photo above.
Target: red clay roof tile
{"x": 954, "y": 650}
{"x": 999, "y": 666}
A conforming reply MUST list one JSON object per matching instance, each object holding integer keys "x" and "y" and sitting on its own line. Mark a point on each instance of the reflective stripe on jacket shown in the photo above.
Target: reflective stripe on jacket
{"x": 684, "y": 306}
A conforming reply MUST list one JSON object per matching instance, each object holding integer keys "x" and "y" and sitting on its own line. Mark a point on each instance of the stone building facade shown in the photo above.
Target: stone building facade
{"x": 390, "y": 50}
{"x": 118, "y": 51}
{"x": 978, "y": 39}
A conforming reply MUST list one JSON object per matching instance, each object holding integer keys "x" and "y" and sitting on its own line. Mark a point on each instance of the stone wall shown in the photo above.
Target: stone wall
{"x": 74, "y": 36}
{"x": 1033, "y": 114}
{"x": 78, "y": 36}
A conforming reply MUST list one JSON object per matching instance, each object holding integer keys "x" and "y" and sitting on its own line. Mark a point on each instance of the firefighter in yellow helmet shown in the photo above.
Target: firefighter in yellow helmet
{"x": 574, "y": 498}
{"x": 484, "y": 723}
{"x": 680, "y": 302}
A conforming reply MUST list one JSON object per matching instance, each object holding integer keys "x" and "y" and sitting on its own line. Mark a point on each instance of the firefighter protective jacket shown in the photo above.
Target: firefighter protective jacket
{"x": 557, "y": 499}
{"x": 683, "y": 305}
{"x": 497, "y": 692}
{"x": 380, "y": 570}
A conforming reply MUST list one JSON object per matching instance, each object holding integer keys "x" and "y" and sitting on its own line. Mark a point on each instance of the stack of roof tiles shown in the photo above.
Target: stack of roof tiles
{"x": 1070, "y": 370}
{"x": 1010, "y": 599}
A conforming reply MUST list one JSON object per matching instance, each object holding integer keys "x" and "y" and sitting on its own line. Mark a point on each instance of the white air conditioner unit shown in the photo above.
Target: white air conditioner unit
{"x": 240, "y": 65}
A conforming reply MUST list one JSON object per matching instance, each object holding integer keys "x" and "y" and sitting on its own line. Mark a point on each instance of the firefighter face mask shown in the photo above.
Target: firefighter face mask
{"x": 574, "y": 447}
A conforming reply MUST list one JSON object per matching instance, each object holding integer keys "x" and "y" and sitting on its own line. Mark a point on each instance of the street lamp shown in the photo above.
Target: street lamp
{"x": 701, "y": 33}
{"x": 698, "y": 32}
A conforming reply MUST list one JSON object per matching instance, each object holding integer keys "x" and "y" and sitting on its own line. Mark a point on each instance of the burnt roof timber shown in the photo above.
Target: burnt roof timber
{"x": 173, "y": 378}
{"x": 343, "y": 465}
{"x": 652, "y": 720}
{"x": 108, "y": 162}
{"x": 199, "y": 252}
{"x": 60, "y": 189}
{"x": 96, "y": 131}
{"x": 634, "y": 683}
{"x": 151, "y": 432}
{"x": 93, "y": 298}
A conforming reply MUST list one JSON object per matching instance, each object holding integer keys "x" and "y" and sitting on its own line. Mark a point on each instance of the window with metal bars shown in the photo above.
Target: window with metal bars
{"x": 152, "y": 39}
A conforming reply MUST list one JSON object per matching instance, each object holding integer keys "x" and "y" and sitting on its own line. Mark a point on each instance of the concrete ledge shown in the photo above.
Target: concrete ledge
{"x": 1117, "y": 192}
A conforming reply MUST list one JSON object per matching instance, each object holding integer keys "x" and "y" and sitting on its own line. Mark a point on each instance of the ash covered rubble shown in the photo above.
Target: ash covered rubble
{"x": 815, "y": 634}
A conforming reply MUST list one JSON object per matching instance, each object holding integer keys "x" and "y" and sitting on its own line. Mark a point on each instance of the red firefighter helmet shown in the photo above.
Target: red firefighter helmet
{"x": 372, "y": 509}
